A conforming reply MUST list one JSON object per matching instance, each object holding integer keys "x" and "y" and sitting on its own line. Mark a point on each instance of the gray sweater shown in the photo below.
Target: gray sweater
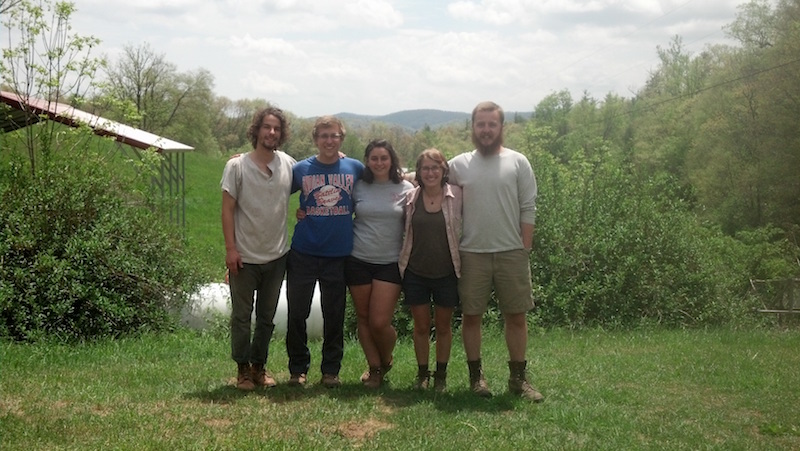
{"x": 499, "y": 194}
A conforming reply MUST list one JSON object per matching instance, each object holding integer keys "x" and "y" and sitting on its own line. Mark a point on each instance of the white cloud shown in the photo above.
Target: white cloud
{"x": 263, "y": 85}
{"x": 373, "y": 13}
{"x": 378, "y": 56}
{"x": 249, "y": 46}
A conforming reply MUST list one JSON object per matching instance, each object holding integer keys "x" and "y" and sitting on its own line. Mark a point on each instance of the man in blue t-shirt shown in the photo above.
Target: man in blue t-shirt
{"x": 320, "y": 244}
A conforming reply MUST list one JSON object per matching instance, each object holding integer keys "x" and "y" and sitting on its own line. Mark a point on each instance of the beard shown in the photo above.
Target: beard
{"x": 491, "y": 147}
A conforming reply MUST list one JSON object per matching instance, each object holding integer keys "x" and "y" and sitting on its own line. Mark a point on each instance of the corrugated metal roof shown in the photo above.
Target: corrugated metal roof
{"x": 26, "y": 111}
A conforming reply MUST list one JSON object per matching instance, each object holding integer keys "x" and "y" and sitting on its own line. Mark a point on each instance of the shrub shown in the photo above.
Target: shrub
{"x": 85, "y": 252}
{"x": 614, "y": 251}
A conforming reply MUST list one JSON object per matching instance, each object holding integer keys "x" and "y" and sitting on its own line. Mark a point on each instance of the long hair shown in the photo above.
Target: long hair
{"x": 258, "y": 119}
{"x": 437, "y": 156}
{"x": 395, "y": 172}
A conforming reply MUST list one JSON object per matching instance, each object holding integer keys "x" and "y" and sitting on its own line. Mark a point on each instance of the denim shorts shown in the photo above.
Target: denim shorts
{"x": 418, "y": 290}
{"x": 359, "y": 272}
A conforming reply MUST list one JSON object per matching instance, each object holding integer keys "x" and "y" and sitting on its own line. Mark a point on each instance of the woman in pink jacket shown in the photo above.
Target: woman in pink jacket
{"x": 430, "y": 264}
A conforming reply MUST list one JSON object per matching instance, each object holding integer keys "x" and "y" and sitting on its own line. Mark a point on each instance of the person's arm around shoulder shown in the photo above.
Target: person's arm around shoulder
{"x": 458, "y": 200}
{"x": 233, "y": 261}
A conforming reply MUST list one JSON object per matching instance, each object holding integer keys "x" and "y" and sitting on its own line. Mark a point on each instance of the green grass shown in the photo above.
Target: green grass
{"x": 719, "y": 389}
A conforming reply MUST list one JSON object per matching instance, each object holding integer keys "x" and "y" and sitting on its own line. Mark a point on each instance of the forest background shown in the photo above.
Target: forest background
{"x": 664, "y": 208}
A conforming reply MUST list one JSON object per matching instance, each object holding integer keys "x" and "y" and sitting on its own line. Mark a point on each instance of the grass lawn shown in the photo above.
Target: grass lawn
{"x": 658, "y": 389}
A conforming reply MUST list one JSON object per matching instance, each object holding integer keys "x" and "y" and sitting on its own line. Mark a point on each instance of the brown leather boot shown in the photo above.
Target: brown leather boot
{"x": 518, "y": 382}
{"x": 477, "y": 383}
{"x": 262, "y": 378}
{"x": 440, "y": 381}
{"x": 244, "y": 378}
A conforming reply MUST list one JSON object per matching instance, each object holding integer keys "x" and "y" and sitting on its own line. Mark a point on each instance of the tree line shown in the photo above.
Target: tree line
{"x": 656, "y": 208}
{"x": 722, "y": 123}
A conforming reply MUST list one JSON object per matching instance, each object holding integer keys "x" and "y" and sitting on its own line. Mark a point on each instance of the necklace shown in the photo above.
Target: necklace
{"x": 432, "y": 200}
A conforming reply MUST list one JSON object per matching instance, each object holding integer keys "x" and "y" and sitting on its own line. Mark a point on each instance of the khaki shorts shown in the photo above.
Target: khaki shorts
{"x": 509, "y": 273}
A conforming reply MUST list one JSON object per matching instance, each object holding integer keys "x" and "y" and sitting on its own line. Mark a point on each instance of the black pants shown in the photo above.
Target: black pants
{"x": 302, "y": 273}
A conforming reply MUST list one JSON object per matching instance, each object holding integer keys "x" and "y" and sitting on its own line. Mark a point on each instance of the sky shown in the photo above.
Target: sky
{"x": 375, "y": 57}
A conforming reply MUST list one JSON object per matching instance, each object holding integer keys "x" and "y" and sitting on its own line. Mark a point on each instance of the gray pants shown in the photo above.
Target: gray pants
{"x": 263, "y": 282}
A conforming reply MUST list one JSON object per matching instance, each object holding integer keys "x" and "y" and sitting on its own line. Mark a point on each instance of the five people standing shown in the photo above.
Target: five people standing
{"x": 400, "y": 235}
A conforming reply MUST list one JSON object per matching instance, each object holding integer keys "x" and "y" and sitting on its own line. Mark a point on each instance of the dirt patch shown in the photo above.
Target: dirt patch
{"x": 358, "y": 431}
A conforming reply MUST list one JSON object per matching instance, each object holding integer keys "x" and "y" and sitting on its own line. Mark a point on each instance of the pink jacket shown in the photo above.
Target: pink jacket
{"x": 451, "y": 208}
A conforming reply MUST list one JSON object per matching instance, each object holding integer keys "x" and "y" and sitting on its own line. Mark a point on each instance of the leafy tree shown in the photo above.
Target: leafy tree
{"x": 44, "y": 61}
{"x": 745, "y": 166}
{"x": 84, "y": 248}
{"x": 231, "y": 120}
{"x": 7, "y": 5}
{"x": 553, "y": 112}
{"x": 165, "y": 101}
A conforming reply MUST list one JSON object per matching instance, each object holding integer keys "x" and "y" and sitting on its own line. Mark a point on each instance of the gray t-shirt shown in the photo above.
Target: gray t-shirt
{"x": 262, "y": 202}
{"x": 499, "y": 194}
{"x": 378, "y": 222}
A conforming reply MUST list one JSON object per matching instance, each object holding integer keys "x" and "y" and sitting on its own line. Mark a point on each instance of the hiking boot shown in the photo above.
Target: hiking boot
{"x": 298, "y": 379}
{"x": 330, "y": 380}
{"x": 480, "y": 387}
{"x": 440, "y": 381}
{"x": 244, "y": 378}
{"x": 262, "y": 378}
{"x": 477, "y": 383}
{"x": 374, "y": 378}
{"x": 525, "y": 390}
{"x": 518, "y": 382}
{"x": 423, "y": 380}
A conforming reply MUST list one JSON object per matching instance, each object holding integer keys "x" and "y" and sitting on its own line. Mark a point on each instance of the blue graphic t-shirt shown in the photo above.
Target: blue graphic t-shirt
{"x": 326, "y": 197}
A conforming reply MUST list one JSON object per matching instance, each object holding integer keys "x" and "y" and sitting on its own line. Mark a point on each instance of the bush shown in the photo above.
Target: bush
{"x": 85, "y": 252}
{"x": 614, "y": 251}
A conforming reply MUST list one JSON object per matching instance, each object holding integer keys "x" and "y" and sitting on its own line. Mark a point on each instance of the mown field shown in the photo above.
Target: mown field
{"x": 654, "y": 389}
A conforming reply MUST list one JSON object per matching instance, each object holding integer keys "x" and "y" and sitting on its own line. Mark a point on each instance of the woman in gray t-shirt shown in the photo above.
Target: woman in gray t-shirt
{"x": 371, "y": 271}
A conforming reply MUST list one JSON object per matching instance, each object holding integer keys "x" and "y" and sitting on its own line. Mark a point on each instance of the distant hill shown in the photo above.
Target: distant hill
{"x": 415, "y": 120}
{"x": 410, "y": 119}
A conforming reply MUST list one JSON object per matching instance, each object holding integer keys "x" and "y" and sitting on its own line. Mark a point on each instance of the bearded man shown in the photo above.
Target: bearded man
{"x": 499, "y": 211}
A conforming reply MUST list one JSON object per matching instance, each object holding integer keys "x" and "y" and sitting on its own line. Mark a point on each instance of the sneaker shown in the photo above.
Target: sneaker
{"x": 374, "y": 378}
{"x": 298, "y": 379}
{"x": 523, "y": 389}
{"x": 262, "y": 378}
{"x": 440, "y": 382}
{"x": 480, "y": 387}
{"x": 330, "y": 380}
{"x": 422, "y": 382}
{"x": 244, "y": 378}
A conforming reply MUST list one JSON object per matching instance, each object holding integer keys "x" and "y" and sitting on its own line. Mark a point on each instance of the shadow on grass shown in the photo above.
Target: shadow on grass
{"x": 399, "y": 397}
